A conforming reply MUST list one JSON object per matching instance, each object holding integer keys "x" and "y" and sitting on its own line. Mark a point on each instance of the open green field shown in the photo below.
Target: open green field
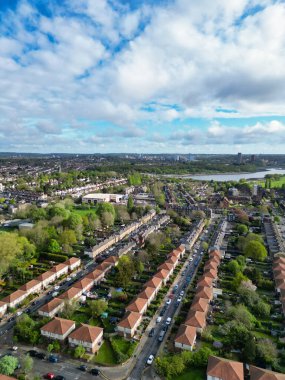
{"x": 106, "y": 354}
{"x": 192, "y": 374}
{"x": 274, "y": 183}
{"x": 84, "y": 211}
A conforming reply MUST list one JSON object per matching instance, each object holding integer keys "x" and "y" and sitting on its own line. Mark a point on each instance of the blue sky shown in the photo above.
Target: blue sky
{"x": 168, "y": 76}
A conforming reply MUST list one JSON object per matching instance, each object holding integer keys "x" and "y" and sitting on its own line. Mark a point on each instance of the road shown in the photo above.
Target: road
{"x": 152, "y": 345}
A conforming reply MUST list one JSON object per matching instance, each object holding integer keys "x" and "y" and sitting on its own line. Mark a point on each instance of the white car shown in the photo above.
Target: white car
{"x": 68, "y": 279}
{"x": 179, "y": 299}
{"x": 56, "y": 287}
{"x": 182, "y": 293}
{"x": 168, "y": 302}
{"x": 158, "y": 320}
{"x": 168, "y": 321}
{"x": 191, "y": 259}
{"x": 150, "y": 360}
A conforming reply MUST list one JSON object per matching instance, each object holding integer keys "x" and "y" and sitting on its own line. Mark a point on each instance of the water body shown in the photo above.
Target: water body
{"x": 235, "y": 176}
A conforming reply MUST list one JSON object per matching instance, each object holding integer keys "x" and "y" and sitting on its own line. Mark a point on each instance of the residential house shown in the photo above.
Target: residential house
{"x": 104, "y": 267}
{"x": 264, "y": 374}
{"x": 96, "y": 276}
{"x": 205, "y": 292}
{"x": 154, "y": 282}
{"x": 172, "y": 260}
{"x": 129, "y": 324}
{"x": 85, "y": 284}
{"x": 46, "y": 278}
{"x": 185, "y": 338}
{"x": 200, "y": 304}
{"x": 90, "y": 337}
{"x": 51, "y": 308}
{"x": 3, "y": 308}
{"x": 196, "y": 319}
{"x": 164, "y": 275}
{"x": 33, "y": 286}
{"x": 223, "y": 369}
{"x": 113, "y": 260}
{"x": 58, "y": 328}
{"x": 71, "y": 294}
{"x": 205, "y": 281}
{"x": 212, "y": 273}
{"x": 73, "y": 263}
{"x": 15, "y": 298}
{"x": 148, "y": 293}
{"x": 167, "y": 266}
{"x": 60, "y": 269}
{"x": 139, "y": 305}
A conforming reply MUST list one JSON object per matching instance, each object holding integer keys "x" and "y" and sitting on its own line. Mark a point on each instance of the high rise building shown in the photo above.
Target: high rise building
{"x": 239, "y": 158}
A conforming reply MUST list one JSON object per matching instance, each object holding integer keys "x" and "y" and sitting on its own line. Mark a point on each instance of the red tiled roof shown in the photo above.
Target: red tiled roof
{"x": 224, "y": 369}
{"x": 58, "y": 326}
{"x": 264, "y": 374}
{"x": 86, "y": 333}
{"x": 186, "y": 335}
{"x": 50, "y": 306}
{"x": 29, "y": 285}
{"x": 137, "y": 305}
{"x": 196, "y": 319}
{"x": 130, "y": 320}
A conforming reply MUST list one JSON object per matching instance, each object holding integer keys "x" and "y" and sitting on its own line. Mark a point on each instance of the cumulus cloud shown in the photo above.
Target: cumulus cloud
{"x": 83, "y": 63}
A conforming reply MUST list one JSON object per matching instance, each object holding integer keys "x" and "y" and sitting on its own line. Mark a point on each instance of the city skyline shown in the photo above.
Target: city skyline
{"x": 142, "y": 76}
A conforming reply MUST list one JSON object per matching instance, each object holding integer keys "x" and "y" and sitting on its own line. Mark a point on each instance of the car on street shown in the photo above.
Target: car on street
{"x": 53, "y": 359}
{"x": 168, "y": 320}
{"x": 182, "y": 293}
{"x": 40, "y": 355}
{"x": 150, "y": 360}
{"x": 32, "y": 353}
{"x": 59, "y": 377}
{"x": 191, "y": 259}
{"x": 56, "y": 287}
{"x": 151, "y": 333}
{"x": 179, "y": 299}
{"x": 162, "y": 312}
{"x": 50, "y": 376}
{"x": 83, "y": 368}
{"x": 94, "y": 371}
{"x": 168, "y": 302}
{"x": 158, "y": 319}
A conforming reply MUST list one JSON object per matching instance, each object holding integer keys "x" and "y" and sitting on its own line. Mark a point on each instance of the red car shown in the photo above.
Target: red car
{"x": 49, "y": 376}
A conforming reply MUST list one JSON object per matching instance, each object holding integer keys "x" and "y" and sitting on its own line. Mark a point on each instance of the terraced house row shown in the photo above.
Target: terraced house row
{"x": 279, "y": 278}
{"x": 206, "y": 290}
{"x": 134, "y": 311}
{"x": 38, "y": 284}
{"x": 93, "y": 278}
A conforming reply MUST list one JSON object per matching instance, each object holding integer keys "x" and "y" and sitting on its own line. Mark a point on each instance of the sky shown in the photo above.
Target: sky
{"x": 142, "y": 76}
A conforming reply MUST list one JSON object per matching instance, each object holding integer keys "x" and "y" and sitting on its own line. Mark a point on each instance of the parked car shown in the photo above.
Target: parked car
{"x": 150, "y": 360}
{"x": 151, "y": 333}
{"x": 40, "y": 355}
{"x": 94, "y": 371}
{"x": 53, "y": 359}
{"x": 179, "y": 299}
{"x": 59, "y": 377}
{"x": 168, "y": 302}
{"x": 50, "y": 375}
{"x": 182, "y": 293}
{"x": 83, "y": 368}
{"x": 161, "y": 335}
{"x": 168, "y": 320}
{"x": 32, "y": 353}
{"x": 158, "y": 319}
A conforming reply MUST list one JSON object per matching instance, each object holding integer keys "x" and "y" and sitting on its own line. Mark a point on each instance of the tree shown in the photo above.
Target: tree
{"x": 241, "y": 315}
{"x": 9, "y": 248}
{"x": 126, "y": 270}
{"x": 50, "y": 348}
{"x": 27, "y": 363}
{"x": 68, "y": 237}
{"x": 8, "y": 364}
{"x": 242, "y": 229}
{"x": 74, "y": 221}
{"x": 234, "y": 267}
{"x": 255, "y": 250}
{"x": 26, "y": 330}
{"x": 53, "y": 246}
{"x": 238, "y": 279}
{"x": 205, "y": 245}
{"x": 130, "y": 204}
{"x": 69, "y": 308}
{"x": 266, "y": 351}
{"x": 105, "y": 207}
{"x": 79, "y": 352}
{"x": 97, "y": 307}
{"x": 56, "y": 346}
{"x": 107, "y": 219}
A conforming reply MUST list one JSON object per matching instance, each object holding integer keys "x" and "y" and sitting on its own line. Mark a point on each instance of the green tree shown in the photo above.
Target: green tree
{"x": 234, "y": 267}
{"x": 27, "y": 363}
{"x": 266, "y": 351}
{"x": 69, "y": 308}
{"x": 53, "y": 246}
{"x": 103, "y": 207}
{"x": 241, "y": 315}
{"x": 97, "y": 307}
{"x": 50, "y": 347}
{"x": 239, "y": 277}
{"x": 131, "y": 204}
{"x": 9, "y": 248}
{"x": 8, "y": 364}
{"x": 56, "y": 346}
{"x": 79, "y": 352}
{"x": 25, "y": 329}
{"x": 126, "y": 270}
{"x": 242, "y": 229}
{"x": 68, "y": 237}
{"x": 107, "y": 219}
{"x": 256, "y": 251}
{"x": 74, "y": 221}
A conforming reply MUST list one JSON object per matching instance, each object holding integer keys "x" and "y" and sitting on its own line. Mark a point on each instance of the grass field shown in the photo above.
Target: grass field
{"x": 106, "y": 354}
{"x": 274, "y": 183}
{"x": 192, "y": 374}
{"x": 83, "y": 212}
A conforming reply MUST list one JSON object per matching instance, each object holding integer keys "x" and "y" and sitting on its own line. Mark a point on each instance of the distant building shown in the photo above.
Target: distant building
{"x": 255, "y": 190}
{"x": 233, "y": 192}
{"x": 101, "y": 197}
{"x": 253, "y": 158}
{"x": 239, "y": 158}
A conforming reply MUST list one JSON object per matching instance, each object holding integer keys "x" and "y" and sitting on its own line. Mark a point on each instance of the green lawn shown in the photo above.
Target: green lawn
{"x": 83, "y": 212}
{"x": 192, "y": 374}
{"x": 105, "y": 355}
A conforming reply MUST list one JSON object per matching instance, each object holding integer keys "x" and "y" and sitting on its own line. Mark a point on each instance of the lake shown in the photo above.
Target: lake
{"x": 235, "y": 176}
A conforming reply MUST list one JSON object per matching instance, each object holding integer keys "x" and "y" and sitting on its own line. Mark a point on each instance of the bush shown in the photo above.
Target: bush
{"x": 120, "y": 356}
{"x": 54, "y": 257}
